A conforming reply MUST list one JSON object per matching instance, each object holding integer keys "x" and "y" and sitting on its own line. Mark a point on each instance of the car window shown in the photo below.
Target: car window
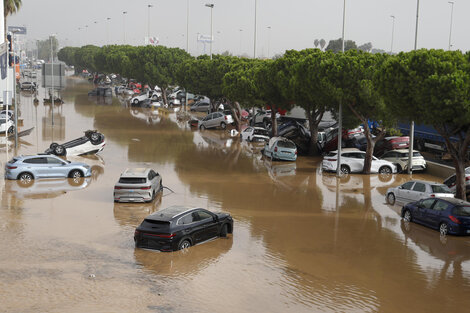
{"x": 451, "y": 180}
{"x": 461, "y": 211}
{"x": 427, "y": 203}
{"x": 440, "y": 205}
{"x": 54, "y": 161}
{"x": 203, "y": 215}
{"x": 408, "y": 185}
{"x": 132, "y": 180}
{"x": 186, "y": 219}
{"x": 347, "y": 155}
{"x": 247, "y": 130}
{"x": 36, "y": 161}
{"x": 419, "y": 187}
{"x": 440, "y": 189}
{"x": 388, "y": 155}
{"x": 358, "y": 155}
{"x": 467, "y": 170}
{"x": 285, "y": 144}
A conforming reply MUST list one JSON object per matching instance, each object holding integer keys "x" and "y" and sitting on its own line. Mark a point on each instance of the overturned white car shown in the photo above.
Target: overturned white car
{"x": 92, "y": 142}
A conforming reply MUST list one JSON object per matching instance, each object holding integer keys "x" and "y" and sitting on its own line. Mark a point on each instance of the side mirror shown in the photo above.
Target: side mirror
{"x": 215, "y": 218}
{"x": 400, "y": 187}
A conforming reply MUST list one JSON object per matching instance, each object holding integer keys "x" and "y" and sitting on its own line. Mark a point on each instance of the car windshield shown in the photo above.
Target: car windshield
{"x": 132, "y": 180}
{"x": 440, "y": 189}
{"x": 285, "y": 144}
{"x": 467, "y": 170}
{"x": 461, "y": 211}
{"x": 159, "y": 226}
{"x": 331, "y": 154}
{"x": 263, "y": 132}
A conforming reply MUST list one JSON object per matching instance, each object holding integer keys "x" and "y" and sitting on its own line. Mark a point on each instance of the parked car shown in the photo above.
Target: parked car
{"x": 449, "y": 215}
{"x": 137, "y": 185}
{"x": 254, "y": 134}
{"x": 92, "y": 142}
{"x": 201, "y": 107}
{"x": 8, "y": 126}
{"x": 331, "y": 141}
{"x": 27, "y": 168}
{"x": 297, "y": 132}
{"x": 391, "y": 143}
{"x": 216, "y": 119}
{"x": 400, "y": 159}
{"x": 178, "y": 227}
{"x": 30, "y": 86}
{"x": 352, "y": 161}
{"x": 101, "y": 92}
{"x": 3, "y": 114}
{"x": 415, "y": 190}
{"x": 280, "y": 148}
{"x": 451, "y": 182}
{"x": 263, "y": 117}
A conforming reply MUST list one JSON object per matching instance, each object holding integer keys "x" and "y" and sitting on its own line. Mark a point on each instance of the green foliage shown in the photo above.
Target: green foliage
{"x": 337, "y": 45}
{"x": 44, "y": 48}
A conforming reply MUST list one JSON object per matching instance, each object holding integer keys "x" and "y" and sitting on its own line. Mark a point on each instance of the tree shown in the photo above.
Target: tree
{"x": 44, "y": 47}
{"x": 365, "y": 47}
{"x": 350, "y": 76}
{"x": 10, "y": 7}
{"x": 337, "y": 45}
{"x": 432, "y": 87}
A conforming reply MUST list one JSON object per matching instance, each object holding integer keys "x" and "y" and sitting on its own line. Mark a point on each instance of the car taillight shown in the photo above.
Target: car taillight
{"x": 165, "y": 236}
{"x": 467, "y": 177}
{"x": 116, "y": 187}
{"x": 295, "y": 152}
{"x": 11, "y": 167}
{"x": 136, "y": 232}
{"x": 432, "y": 196}
{"x": 454, "y": 219}
{"x": 226, "y": 117}
{"x": 275, "y": 149}
{"x": 145, "y": 188}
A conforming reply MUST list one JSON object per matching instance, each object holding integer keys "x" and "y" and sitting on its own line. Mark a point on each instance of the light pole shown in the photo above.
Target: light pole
{"x": 211, "y": 5}
{"x": 187, "y": 26}
{"x": 79, "y": 36}
{"x": 124, "y": 25}
{"x": 393, "y": 31}
{"x": 107, "y": 29}
{"x": 14, "y": 31}
{"x": 340, "y": 111}
{"x": 451, "y": 18}
{"x": 240, "y": 30}
{"x": 148, "y": 24}
{"x": 254, "y": 34}
{"x": 52, "y": 81}
{"x": 269, "y": 39}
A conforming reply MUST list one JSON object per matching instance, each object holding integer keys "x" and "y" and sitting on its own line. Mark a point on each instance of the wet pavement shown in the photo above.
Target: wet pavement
{"x": 303, "y": 241}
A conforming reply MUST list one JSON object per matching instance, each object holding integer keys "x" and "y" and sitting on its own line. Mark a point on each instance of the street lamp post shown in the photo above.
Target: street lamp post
{"x": 451, "y": 18}
{"x": 269, "y": 39}
{"x": 211, "y": 5}
{"x": 148, "y": 21}
{"x": 240, "y": 30}
{"x": 124, "y": 25}
{"x": 107, "y": 29}
{"x": 412, "y": 126}
{"x": 254, "y": 34}
{"x": 340, "y": 111}
{"x": 52, "y": 82}
{"x": 393, "y": 32}
{"x": 187, "y": 26}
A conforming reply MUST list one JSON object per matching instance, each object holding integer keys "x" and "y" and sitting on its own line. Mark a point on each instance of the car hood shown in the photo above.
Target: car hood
{"x": 223, "y": 215}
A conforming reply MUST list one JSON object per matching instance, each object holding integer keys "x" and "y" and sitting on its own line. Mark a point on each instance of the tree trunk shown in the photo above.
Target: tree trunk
{"x": 165, "y": 101}
{"x": 274, "y": 120}
{"x": 236, "y": 113}
{"x": 458, "y": 155}
{"x": 314, "y": 119}
{"x": 369, "y": 150}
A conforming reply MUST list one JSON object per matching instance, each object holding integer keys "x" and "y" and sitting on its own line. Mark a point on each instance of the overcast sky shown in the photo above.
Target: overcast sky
{"x": 295, "y": 24}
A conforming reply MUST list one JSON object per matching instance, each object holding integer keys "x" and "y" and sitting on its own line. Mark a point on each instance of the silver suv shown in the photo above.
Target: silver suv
{"x": 137, "y": 185}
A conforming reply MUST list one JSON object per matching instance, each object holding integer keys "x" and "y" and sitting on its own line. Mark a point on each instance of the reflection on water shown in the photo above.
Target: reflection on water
{"x": 303, "y": 241}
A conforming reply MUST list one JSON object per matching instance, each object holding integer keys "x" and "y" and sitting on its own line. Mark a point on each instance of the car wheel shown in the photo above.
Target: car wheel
{"x": 385, "y": 170}
{"x": 202, "y": 127}
{"x": 59, "y": 150}
{"x": 223, "y": 125}
{"x": 75, "y": 174}
{"x": 184, "y": 244}
{"x": 391, "y": 198}
{"x": 11, "y": 130}
{"x": 224, "y": 231}
{"x": 407, "y": 216}
{"x": 53, "y": 145}
{"x": 95, "y": 138}
{"x": 443, "y": 229}
{"x": 136, "y": 101}
{"x": 345, "y": 169}
{"x": 26, "y": 179}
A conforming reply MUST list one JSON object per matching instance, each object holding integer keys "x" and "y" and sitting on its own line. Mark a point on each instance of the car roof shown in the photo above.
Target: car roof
{"x": 402, "y": 150}
{"x": 456, "y": 201}
{"x": 348, "y": 150}
{"x": 19, "y": 157}
{"x": 136, "y": 172}
{"x": 169, "y": 213}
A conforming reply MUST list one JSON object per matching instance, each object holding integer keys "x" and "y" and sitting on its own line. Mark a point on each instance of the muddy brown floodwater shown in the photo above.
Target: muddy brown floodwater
{"x": 302, "y": 241}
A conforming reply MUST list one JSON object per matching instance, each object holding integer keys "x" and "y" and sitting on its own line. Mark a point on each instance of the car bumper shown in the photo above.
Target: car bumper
{"x": 11, "y": 175}
{"x": 285, "y": 157}
{"x": 148, "y": 241}
{"x": 328, "y": 167}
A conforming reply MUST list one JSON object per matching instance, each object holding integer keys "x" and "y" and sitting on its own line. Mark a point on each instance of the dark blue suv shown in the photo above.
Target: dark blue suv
{"x": 449, "y": 216}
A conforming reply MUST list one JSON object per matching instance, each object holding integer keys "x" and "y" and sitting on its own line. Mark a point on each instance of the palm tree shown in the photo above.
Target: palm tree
{"x": 10, "y": 7}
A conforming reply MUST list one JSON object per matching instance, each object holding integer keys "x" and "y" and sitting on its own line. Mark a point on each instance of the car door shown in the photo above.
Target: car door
{"x": 434, "y": 215}
{"x": 56, "y": 167}
{"x": 246, "y": 133}
{"x": 403, "y": 192}
{"x": 209, "y": 224}
{"x": 422, "y": 210}
{"x": 418, "y": 191}
{"x": 38, "y": 166}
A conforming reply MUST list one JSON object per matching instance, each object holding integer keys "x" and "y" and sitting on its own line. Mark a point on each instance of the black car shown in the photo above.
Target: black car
{"x": 179, "y": 227}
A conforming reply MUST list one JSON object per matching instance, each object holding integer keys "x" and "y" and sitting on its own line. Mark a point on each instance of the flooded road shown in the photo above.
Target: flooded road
{"x": 303, "y": 241}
